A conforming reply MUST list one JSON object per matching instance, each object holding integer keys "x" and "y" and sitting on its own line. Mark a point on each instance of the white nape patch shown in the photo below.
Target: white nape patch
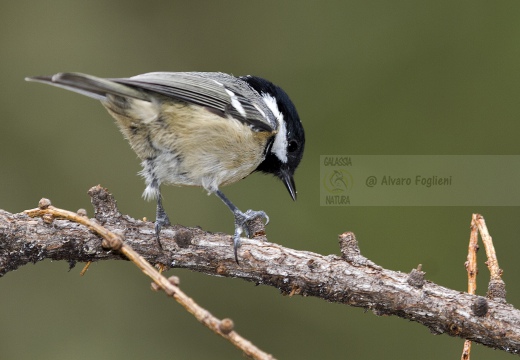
{"x": 280, "y": 140}
{"x": 236, "y": 104}
{"x": 270, "y": 101}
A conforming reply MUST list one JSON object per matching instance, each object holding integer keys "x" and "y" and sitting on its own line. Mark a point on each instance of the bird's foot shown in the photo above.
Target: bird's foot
{"x": 243, "y": 224}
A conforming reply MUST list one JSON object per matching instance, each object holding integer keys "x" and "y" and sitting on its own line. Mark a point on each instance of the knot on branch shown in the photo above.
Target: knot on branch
{"x": 104, "y": 203}
{"x": 44, "y": 203}
{"x": 497, "y": 290}
{"x": 480, "y": 306}
{"x": 416, "y": 277}
{"x": 226, "y": 326}
{"x": 348, "y": 246}
{"x": 350, "y": 252}
{"x": 113, "y": 240}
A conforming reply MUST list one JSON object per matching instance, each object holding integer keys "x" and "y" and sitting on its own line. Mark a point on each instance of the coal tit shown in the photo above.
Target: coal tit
{"x": 200, "y": 129}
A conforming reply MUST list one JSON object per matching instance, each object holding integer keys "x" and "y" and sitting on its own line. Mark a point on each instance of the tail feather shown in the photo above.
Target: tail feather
{"x": 91, "y": 86}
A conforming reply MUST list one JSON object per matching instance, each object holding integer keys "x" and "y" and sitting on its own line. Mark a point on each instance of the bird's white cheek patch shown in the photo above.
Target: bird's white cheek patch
{"x": 280, "y": 140}
{"x": 280, "y": 144}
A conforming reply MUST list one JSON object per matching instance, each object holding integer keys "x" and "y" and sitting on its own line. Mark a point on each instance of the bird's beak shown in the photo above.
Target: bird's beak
{"x": 288, "y": 180}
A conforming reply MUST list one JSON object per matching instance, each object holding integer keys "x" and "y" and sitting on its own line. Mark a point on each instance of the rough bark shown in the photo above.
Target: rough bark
{"x": 349, "y": 279}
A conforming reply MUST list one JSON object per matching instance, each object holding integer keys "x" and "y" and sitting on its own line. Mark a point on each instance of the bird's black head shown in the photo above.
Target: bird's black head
{"x": 285, "y": 150}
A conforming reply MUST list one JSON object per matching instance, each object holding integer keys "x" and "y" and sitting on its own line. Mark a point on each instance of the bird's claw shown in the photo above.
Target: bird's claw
{"x": 159, "y": 223}
{"x": 242, "y": 226}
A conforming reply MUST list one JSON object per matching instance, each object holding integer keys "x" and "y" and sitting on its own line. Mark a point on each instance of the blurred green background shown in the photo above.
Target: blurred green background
{"x": 367, "y": 77}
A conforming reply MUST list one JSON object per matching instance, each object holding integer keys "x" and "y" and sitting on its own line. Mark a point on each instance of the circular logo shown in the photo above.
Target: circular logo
{"x": 337, "y": 181}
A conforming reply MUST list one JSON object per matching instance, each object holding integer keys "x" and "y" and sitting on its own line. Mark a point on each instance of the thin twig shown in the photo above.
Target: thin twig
{"x": 492, "y": 262}
{"x": 471, "y": 268}
{"x": 471, "y": 264}
{"x": 496, "y": 287}
{"x": 115, "y": 242}
{"x": 85, "y": 268}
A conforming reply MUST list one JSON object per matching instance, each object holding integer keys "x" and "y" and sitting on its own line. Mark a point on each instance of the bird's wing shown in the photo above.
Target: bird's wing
{"x": 221, "y": 93}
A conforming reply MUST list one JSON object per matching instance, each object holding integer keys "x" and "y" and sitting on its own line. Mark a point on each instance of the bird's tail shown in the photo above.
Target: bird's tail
{"x": 91, "y": 86}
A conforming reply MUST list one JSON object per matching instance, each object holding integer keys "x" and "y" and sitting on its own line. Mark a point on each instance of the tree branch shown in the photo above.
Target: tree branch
{"x": 350, "y": 279}
{"x": 115, "y": 241}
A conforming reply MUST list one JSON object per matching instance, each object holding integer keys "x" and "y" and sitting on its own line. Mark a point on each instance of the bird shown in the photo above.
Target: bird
{"x": 205, "y": 129}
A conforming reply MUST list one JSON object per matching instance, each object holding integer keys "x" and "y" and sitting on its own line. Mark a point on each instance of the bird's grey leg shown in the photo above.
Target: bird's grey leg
{"x": 161, "y": 219}
{"x": 153, "y": 191}
{"x": 241, "y": 220}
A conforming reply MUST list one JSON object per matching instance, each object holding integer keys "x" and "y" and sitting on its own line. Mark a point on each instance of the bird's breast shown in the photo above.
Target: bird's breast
{"x": 186, "y": 144}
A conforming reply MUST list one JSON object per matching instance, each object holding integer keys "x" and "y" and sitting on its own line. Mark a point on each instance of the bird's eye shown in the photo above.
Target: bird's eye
{"x": 293, "y": 146}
